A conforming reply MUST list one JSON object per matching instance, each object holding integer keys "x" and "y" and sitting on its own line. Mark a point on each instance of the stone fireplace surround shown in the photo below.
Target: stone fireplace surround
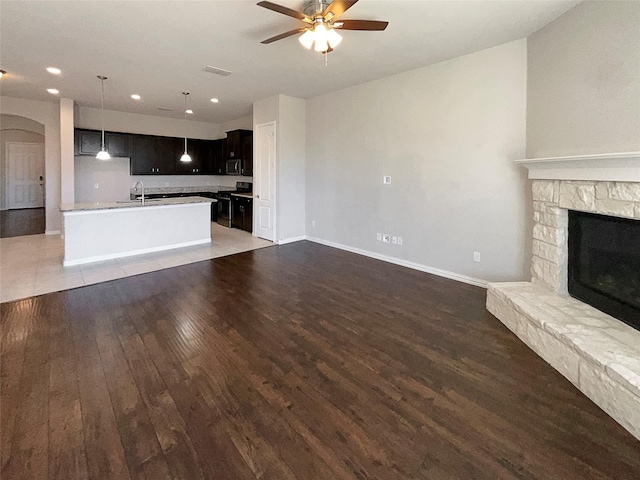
{"x": 599, "y": 354}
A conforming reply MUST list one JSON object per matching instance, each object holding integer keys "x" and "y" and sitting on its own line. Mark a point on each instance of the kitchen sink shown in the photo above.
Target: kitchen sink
{"x": 138, "y": 202}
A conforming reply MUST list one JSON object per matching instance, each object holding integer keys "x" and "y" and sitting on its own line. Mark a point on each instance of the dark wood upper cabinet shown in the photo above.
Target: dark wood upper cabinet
{"x": 89, "y": 142}
{"x": 118, "y": 144}
{"x": 155, "y": 155}
{"x": 168, "y": 151}
{"x": 200, "y": 153}
{"x": 247, "y": 156}
{"x": 152, "y": 155}
{"x": 218, "y": 157}
{"x": 142, "y": 155}
{"x": 235, "y": 143}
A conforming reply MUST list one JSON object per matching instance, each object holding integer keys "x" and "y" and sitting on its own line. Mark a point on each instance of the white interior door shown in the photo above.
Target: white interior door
{"x": 265, "y": 181}
{"x": 25, "y": 175}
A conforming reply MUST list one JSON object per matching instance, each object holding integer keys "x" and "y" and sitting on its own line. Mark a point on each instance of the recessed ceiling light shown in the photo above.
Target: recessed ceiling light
{"x": 2, "y": 73}
{"x": 53, "y": 91}
{"x": 214, "y": 100}
{"x": 135, "y": 96}
{"x": 54, "y": 70}
{"x": 189, "y": 111}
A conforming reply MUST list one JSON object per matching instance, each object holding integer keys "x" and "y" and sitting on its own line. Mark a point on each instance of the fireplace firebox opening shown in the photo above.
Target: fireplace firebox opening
{"x": 604, "y": 264}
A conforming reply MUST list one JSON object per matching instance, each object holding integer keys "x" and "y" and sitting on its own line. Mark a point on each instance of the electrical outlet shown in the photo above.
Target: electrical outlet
{"x": 399, "y": 240}
{"x": 379, "y": 237}
{"x": 394, "y": 240}
{"x": 96, "y": 185}
{"x": 313, "y": 223}
{"x": 476, "y": 257}
{"x": 386, "y": 180}
{"x": 386, "y": 238}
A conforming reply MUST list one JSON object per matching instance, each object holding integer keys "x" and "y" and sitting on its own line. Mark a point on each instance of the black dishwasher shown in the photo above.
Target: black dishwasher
{"x": 242, "y": 212}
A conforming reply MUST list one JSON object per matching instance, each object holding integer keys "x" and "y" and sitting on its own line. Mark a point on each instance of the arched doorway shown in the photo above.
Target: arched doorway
{"x": 22, "y": 176}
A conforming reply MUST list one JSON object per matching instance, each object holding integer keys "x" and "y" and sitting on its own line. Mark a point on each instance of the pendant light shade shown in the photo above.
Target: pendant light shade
{"x": 185, "y": 156}
{"x": 103, "y": 154}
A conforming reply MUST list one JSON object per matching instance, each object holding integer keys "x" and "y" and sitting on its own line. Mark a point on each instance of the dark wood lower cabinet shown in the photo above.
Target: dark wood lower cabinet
{"x": 242, "y": 213}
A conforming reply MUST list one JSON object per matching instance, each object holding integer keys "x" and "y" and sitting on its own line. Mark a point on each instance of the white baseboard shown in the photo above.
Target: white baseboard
{"x": 52, "y": 232}
{"x": 292, "y": 240}
{"x": 405, "y": 263}
{"x": 111, "y": 256}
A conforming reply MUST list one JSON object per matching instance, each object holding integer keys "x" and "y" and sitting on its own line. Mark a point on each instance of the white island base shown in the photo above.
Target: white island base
{"x": 94, "y": 233}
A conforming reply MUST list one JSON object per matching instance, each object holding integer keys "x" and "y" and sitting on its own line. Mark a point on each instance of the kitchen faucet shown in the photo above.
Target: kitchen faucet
{"x": 135, "y": 189}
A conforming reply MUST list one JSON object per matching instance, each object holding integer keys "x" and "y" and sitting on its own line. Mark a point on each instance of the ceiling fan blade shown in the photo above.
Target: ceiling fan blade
{"x": 338, "y": 7}
{"x": 370, "y": 25}
{"x": 285, "y": 11}
{"x": 284, "y": 35}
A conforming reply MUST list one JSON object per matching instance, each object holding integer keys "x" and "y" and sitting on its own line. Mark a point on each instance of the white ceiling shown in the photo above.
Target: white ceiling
{"x": 159, "y": 49}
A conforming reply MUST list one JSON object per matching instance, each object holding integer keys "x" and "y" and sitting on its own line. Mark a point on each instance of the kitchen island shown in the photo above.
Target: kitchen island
{"x": 101, "y": 231}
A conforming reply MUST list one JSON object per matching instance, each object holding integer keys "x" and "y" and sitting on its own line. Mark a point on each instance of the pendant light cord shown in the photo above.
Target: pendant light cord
{"x": 185, "y": 121}
{"x": 102, "y": 79}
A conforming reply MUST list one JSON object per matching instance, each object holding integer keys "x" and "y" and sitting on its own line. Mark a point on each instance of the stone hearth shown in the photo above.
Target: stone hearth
{"x": 599, "y": 354}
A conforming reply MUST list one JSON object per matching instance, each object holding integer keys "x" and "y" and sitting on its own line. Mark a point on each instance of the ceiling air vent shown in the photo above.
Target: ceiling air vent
{"x": 217, "y": 71}
{"x": 164, "y": 109}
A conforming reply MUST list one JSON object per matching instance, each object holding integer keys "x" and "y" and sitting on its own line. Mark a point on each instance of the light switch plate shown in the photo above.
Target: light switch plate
{"x": 386, "y": 180}
{"x": 96, "y": 185}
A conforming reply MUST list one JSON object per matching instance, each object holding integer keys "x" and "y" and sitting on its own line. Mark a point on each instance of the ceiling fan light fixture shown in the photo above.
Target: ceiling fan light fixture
{"x": 307, "y": 39}
{"x": 334, "y": 38}
{"x": 321, "y": 38}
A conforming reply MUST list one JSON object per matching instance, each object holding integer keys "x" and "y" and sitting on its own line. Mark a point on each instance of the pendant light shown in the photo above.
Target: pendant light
{"x": 103, "y": 154}
{"x": 185, "y": 156}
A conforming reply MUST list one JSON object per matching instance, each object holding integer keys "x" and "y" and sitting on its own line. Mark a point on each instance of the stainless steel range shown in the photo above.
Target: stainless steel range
{"x": 224, "y": 202}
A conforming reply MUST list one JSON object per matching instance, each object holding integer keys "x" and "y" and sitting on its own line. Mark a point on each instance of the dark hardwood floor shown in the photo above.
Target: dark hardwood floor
{"x": 289, "y": 362}
{"x": 25, "y": 221}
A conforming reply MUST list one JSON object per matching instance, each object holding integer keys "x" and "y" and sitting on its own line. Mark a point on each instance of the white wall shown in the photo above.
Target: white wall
{"x": 245, "y": 123}
{"x": 67, "y": 188}
{"x": 15, "y": 122}
{"x": 289, "y": 115}
{"x": 448, "y": 135}
{"x": 114, "y": 181}
{"x": 584, "y": 82}
{"x": 86, "y": 117}
{"x": 291, "y": 198}
{"x": 48, "y": 114}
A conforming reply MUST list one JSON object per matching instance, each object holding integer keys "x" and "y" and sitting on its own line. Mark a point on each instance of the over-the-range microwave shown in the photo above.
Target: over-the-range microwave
{"x": 234, "y": 167}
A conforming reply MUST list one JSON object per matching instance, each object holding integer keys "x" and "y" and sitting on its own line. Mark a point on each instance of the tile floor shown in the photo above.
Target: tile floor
{"x": 32, "y": 265}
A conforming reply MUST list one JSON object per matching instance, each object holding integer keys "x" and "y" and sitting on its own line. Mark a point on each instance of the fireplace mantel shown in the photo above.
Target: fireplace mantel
{"x": 607, "y": 167}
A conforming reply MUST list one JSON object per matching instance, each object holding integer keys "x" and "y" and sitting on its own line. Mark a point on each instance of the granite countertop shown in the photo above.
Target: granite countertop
{"x": 243, "y": 195}
{"x": 159, "y": 202}
{"x": 153, "y": 190}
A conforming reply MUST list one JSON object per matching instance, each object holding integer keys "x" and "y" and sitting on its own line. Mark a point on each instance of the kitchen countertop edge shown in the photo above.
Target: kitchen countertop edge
{"x": 79, "y": 207}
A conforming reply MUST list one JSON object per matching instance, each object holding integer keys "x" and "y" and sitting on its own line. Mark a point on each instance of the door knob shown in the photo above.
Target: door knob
{"x": 257, "y": 196}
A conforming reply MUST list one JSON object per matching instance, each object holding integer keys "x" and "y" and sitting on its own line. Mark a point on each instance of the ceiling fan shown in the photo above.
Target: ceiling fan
{"x": 320, "y": 17}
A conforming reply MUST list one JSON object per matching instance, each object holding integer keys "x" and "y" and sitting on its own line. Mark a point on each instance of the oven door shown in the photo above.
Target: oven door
{"x": 224, "y": 210}
{"x": 233, "y": 167}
